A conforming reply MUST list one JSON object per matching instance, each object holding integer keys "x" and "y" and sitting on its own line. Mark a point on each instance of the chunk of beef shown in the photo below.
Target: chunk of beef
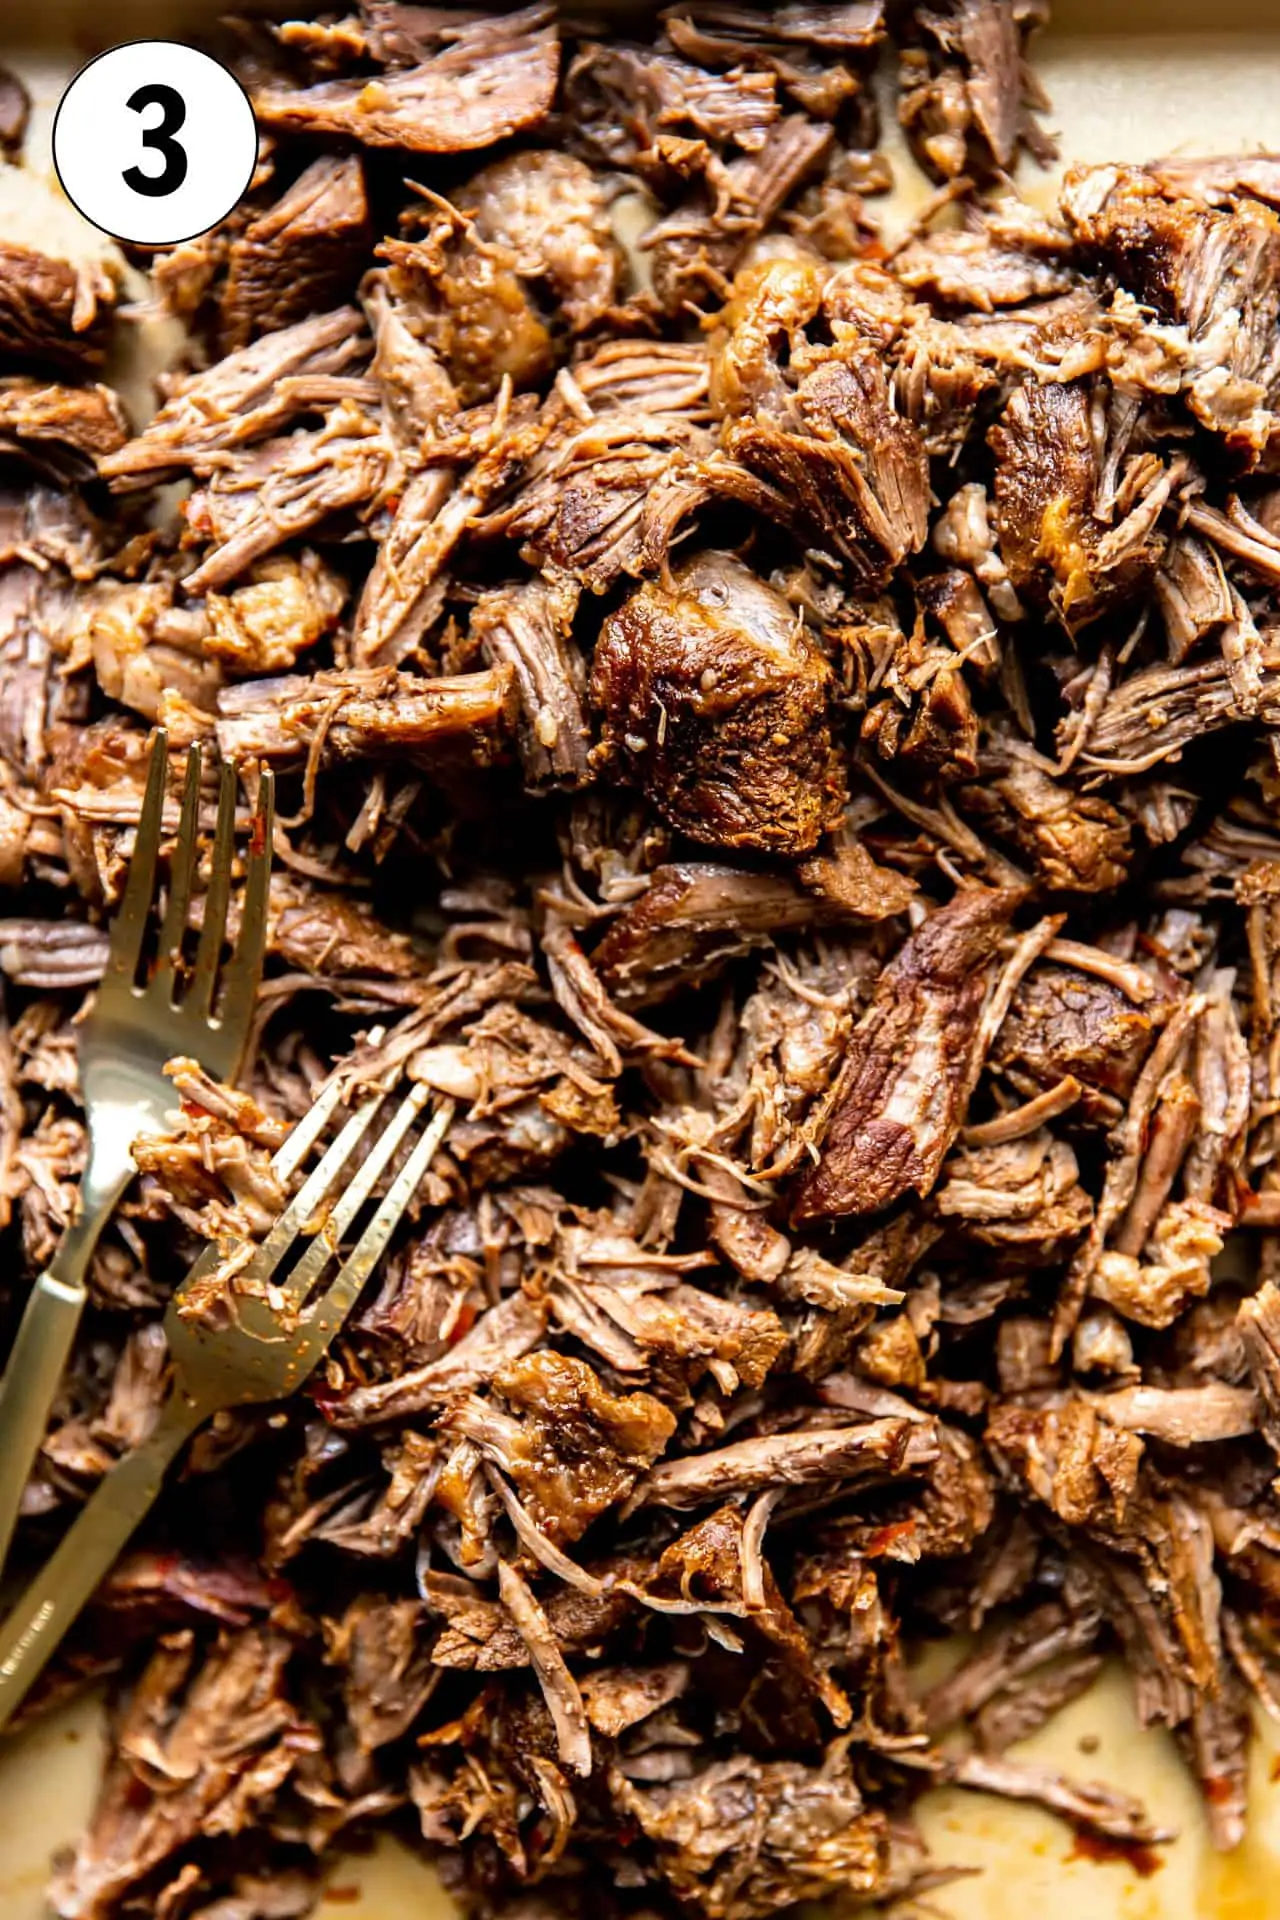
{"x": 968, "y": 98}
{"x": 201, "y": 1745}
{"x": 362, "y": 714}
{"x": 1211, "y": 272}
{"x": 690, "y": 921}
{"x": 302, "y": 256}
{"x": 62, "y": 431}
{"x": 737, "y": 1839}
{"x": 246, "y": 396}
{"x": 572, "y": 1448}
{"x": 717, "y": 699}
{"x": 817, "y": 424}
{"x": 1076, "y": 843}
{"x": 625, "y": 99}
{"x": 796, "y": 1458}
{"x": 1061, "y": 1022}
{"x": 548, "y": 212}
{"x": 53, "y": 315}
{"x": 484, "y": 80}
{"x": 288, "y": 603}
{"x": 529, "y": 629}
{"x": 1054, "y": 541}
{"x": 258, "y": 501}
{"x": 820, "y": 55}
{"x": 696, "y": 248}
{"x": 901, "y": 1093}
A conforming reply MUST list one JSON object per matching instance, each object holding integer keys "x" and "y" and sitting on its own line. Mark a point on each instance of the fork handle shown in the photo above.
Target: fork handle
{"x": 40, "y": 1353}
{"x": 35, "y": 1628}
{"x": 36, "y": 1363}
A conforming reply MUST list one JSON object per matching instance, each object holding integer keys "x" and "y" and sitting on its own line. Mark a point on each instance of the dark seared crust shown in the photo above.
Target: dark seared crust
{"x": 719, "y": 701}
{"x": 909, "y": 1068}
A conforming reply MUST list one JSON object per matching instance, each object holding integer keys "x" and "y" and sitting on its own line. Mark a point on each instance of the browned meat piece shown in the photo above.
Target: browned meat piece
{"x": 690, "y": 921}
{"x": 1074, "y": 842}
{"x": 53, "y": 314}
{"x": 968, "y": 98}
{"x": 143, "y": 649}
{"x": 287, "y": 604}
{"x": 1159, "y": 711}
{"x": 64, "y": 431}
{"x": 483, "y": 80}
{"x": 910, "y": 1066}
{"x": 1023, "y": 1194}
{"x": 548, "y": 212}
{"x": 1214, "y": 272}
{"x": 696, "y": 249}
{"x": 1192, "y": 593}
{"x": 572, "y": 1448}
{"x": 1259, "y": 1321}
{"x": 1075, "y": 1462}
{"x": 837, "y": 1454}
{"x": 364, "y": 714}
{"x": 200, "y": 1746}
{"x": 529, "y": 629}
{"x": 15, "y": 111}
{"x": 817, "y": 424}
{"x": 989, "y": 264}
{"x": 1065, "y": 1022}
{"x": 252, "y": 393}
{"x": 257, "y": 501}
{"x": 625, "y": 99}
{"x": 738, "y": 1839}
{"x": 1015, "y": 1649}
{"x": 1182, "y": 1416}
{"x": 1048, "y": 483}
{"x": 718, "y": 701}
{"x": 820, "y": 54}
{"x": 405, "y": 592}
{"x": 301, "y": 256}
{"x": 383, "y": 1651}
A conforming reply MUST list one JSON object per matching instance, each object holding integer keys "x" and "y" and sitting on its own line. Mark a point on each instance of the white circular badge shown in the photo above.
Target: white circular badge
{"x": 154, "y": 142}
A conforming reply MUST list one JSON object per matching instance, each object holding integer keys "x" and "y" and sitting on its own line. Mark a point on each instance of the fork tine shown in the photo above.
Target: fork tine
{"x": 244, "y": 969}
{"x": 130, "y": 923}
{"x": 181, "y": 873}
{"x": 337, "y": 1302}
{"x": 312, "y": 1194}
{"x": 214, "y": 928}
{"x": 312, "y": 1264}
{"x": 308, "y": 1130}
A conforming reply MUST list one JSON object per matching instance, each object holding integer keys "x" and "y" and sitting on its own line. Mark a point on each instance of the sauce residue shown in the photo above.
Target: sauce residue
{"x": 343, "y": 1896}
{"x": 1143, "y": 1859}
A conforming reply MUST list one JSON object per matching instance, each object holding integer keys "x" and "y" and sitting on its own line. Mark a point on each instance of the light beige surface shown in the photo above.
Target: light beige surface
{"x": 1116, "y": 96}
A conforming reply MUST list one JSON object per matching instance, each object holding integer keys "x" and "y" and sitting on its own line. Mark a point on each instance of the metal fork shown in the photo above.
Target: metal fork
{"x": 134, "y": 1028}
{"x": 275, "y": 1336}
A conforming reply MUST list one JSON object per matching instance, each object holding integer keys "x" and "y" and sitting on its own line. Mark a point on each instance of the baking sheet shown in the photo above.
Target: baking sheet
{"x": 1127, "y": 82}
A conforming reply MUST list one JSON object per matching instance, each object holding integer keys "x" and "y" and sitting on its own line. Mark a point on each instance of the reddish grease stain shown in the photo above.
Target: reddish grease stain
{"x": 1275, "y": 1768}
{"x": 343, "y": 1896}
{"x": 1143, "y": 1859}
{"x": 1218, "y": 1788}
{"x": 883, "y": 1537}
{"x": 463, "y": 1324}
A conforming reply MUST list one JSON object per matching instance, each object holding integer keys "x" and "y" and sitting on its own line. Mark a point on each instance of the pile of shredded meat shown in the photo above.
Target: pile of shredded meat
{"x": 784, "y": 730}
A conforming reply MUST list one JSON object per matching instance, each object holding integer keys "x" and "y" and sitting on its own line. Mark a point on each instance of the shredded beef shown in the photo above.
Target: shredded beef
{"x": 775, "y": 718}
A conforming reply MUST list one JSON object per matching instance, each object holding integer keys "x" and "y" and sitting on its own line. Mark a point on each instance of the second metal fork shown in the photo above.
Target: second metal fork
{"x": 137, "y": 1024}
{"x": 277, "y": 1325}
